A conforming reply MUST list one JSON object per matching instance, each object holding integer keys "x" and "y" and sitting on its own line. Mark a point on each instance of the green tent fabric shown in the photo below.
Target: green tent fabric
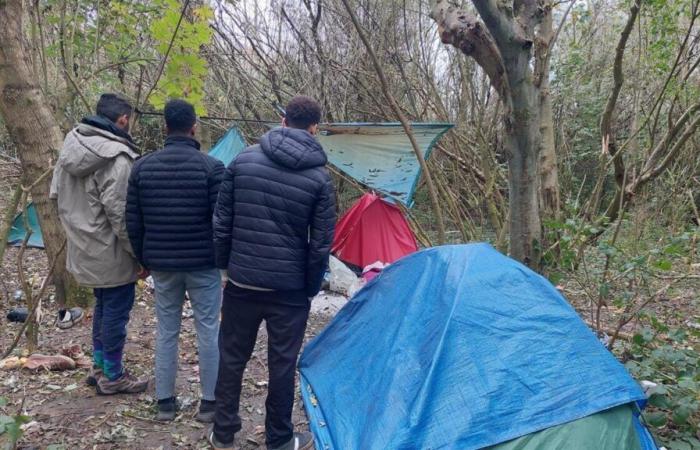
{"x": 613, "y": 429}
{"x": 18, "y": 231}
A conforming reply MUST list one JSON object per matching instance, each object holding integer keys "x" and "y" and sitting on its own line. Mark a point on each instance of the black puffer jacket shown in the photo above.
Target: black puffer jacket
{"x": 169, "y": 207}
{"x": 275, "y": 218}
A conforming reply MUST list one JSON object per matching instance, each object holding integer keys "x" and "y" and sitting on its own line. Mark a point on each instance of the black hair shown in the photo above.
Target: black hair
{"x": 113, "y": 106}
{"x": 179, "y": 116}
{"x": 302, "y": 112}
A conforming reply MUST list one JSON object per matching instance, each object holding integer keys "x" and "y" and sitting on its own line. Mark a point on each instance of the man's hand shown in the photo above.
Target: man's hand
{"x": 224, "y": 278}
{"x": 142, "y": 272}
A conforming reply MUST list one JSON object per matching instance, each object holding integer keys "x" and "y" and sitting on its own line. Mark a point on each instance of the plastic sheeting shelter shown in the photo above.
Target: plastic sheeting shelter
{"x": 378, "y": 155}
{"x": 460, "y": 347}
{"x": 372, "y": 230}
{"x": 18, "y": 231}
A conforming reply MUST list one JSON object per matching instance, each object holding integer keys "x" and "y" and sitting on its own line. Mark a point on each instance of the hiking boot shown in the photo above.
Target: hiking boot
{"x": 300, "y": 441}
{"x": 167, "y": 409}
{"x": 216, "y": 445}
{"x": 94, "y": 376}
{"x": 125, "y": 384}
{"x": 207, "y": 411}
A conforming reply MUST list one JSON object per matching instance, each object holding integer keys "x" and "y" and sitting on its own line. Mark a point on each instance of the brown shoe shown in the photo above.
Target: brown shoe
{"x": 94, "y": 376}
{"x": 126, "y": 384}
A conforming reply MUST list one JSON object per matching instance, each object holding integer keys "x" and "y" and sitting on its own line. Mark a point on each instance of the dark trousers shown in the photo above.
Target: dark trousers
{"x": 112, "y": 308}
{"x": 242, "y": 312}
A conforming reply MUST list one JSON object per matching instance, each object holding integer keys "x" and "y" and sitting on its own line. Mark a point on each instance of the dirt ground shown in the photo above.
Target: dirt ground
{"x": 68, "y": 414}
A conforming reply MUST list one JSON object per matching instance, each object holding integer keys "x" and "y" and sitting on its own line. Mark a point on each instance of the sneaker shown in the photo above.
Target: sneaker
{"x": 94, "y": 376}
{"x": 69, "y": 317}
{"x": 167, "y": 409}
{"x": 300, "y": 441}
{"x": 126, "y": 384}
{"x": 207, "y": 411}
{"x": 216, "y": 445}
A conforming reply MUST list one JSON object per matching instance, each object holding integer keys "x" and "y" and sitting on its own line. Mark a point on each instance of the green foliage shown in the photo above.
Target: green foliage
{"x": 10, "y": 426}
{"x": 666, "y": 357}
{"x": 186, "y": 70}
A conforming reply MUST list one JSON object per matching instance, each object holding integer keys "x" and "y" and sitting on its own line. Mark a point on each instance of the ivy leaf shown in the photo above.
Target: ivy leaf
{"x": 656, "y": 419}
{"x": 681, "y": 415}
{"x": 659, "y": 401}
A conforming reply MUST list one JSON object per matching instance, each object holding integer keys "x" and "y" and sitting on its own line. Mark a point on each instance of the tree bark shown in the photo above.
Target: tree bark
{"x": 34, "y": 131}
{"x": 549, "y": 175}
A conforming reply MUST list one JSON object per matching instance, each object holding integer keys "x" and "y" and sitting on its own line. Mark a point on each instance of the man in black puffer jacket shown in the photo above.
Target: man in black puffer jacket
{"x": 170, "y": 202}
{"x": 273, "y": 228}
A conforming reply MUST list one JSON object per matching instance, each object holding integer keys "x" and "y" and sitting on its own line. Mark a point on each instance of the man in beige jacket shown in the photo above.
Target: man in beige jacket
{"x": 90, "y": 183}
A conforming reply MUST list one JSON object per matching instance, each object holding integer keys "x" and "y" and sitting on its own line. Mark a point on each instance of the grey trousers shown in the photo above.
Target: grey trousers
{"x": 204, "y": 289}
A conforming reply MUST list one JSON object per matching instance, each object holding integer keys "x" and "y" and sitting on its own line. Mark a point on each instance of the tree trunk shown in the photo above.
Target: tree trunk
{"x": 34, "y": 131}
{"x": 523, "y": 144}
{"x": 502, "y": 45}
{"x": 549, "y": 178}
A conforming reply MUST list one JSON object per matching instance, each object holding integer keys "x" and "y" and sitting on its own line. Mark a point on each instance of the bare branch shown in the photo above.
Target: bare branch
{"x": 465, "y": 32}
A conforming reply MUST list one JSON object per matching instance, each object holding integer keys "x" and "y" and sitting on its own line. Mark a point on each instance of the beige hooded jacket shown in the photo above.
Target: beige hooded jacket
{"x": 90, "y": 182}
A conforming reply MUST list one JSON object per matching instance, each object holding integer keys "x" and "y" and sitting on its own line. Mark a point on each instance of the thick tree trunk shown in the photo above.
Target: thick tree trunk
{"x": 34, "y": 131}
{"x": 523, "y": 141}
{"x": 502, "y": 45}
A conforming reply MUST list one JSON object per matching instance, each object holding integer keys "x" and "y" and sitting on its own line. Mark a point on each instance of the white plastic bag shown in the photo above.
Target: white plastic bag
{"x": 343, "y": 280}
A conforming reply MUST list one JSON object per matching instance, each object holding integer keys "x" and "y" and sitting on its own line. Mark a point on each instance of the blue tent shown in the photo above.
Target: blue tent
{"x": 18, "y": 230}
{"x": 228, "y": 147}
{"x": 460, "y": 347}
{"x": 378, "y": 155}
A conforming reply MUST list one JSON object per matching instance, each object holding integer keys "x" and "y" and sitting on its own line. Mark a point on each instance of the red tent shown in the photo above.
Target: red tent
{"x": 373, "y": 230}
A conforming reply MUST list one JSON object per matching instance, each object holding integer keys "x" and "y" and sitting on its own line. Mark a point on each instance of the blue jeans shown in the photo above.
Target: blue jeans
{"x": 204, "y": 289}
{"x": 112, "y": 308}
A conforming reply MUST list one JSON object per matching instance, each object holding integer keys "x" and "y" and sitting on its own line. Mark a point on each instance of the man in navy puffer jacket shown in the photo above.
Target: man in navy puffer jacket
{"x": 273, "y": 229}
{"x": 170, "y": 202}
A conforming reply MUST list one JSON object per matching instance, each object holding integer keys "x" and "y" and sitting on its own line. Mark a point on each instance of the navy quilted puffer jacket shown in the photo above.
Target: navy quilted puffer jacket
{"x": 275, "y": 217}
{"x": 169, "y": 207}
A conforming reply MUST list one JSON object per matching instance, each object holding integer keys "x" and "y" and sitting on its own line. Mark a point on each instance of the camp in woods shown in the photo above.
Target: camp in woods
{"x": 350, "y": 224}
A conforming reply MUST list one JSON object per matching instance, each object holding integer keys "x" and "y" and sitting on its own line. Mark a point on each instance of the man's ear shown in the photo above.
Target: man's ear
{"x": 193, "y": 131}
{"x": 313, "y": 129}
{"x": 284, "y": 122}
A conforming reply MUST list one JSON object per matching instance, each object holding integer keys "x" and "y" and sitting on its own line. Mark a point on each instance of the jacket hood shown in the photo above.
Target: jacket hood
{"x": 293, "y": 148}
{"x": 88, "y": 149}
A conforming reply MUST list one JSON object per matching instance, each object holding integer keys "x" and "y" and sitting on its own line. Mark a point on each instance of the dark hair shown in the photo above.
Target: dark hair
{"x": 113, "y": 106}
{"x": 302, "y": 112}
{"x": 179, "y": 116}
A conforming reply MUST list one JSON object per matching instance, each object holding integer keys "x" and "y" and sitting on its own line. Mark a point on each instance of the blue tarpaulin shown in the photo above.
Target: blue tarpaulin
{"x": 455, "y": 347}
{"x": 378, "y": 155}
